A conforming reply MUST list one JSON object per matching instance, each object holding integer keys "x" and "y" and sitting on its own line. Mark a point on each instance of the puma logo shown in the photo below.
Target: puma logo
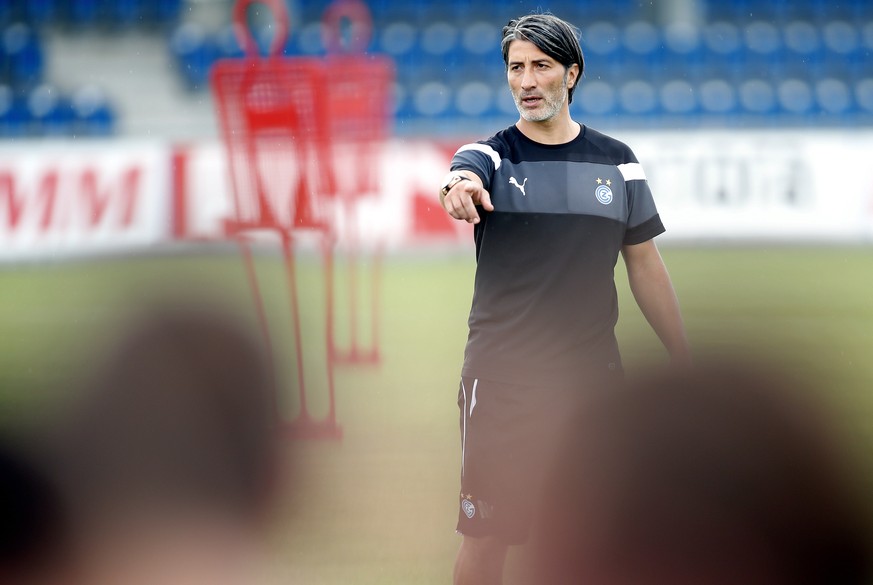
{"x": 512, "y": 181}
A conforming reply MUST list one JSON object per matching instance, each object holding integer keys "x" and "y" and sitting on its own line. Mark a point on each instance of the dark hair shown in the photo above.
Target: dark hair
{"x": 34, "y": 531}
{"x": 179, "y": 416}
{"x": 555, "y": 37}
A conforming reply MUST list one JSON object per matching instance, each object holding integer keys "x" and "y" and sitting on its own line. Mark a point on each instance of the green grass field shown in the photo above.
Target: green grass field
{"x": 379, "y": 506}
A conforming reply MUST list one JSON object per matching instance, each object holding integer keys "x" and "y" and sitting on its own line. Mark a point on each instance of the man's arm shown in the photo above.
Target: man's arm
{"x": 653, "y": 291}
{"x": 461, "y": 200}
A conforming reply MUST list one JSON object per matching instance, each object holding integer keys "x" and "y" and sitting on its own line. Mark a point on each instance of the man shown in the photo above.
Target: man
{"x": 553, "y": 203}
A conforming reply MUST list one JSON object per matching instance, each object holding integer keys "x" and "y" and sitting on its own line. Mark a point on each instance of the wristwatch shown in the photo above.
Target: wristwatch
{"x": 451, "y": 180}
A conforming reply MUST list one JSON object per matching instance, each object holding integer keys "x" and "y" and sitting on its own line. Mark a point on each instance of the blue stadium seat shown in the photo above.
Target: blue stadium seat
{"x": 466, "y": 66}
{"x": 757, "y": 97}
{"x": 733, "y": 11}
{"x": 802, "y": 37}
{"x": 582, "y": 11}
{"x": 843, "y": 57}
{"x": 123, "y": 13}
{"x": 41, "y": 12}
{"x": 723, "y": 49}
{"x": 867, "y": 35}
{"x": 464, "y": 11}
{"x": 804, "y": 46}
{"x": 783, "y": 11}
{"x": 840, "y": 37}
{"x": 641, "y": 37}
{"x": 405, "y": 111}
{"x": 601, "y": 38}
{"x": 643, "y": 50}
{"x": 432, "y": 100}
{"x": 596, "y": 98}
{"x": 83, "y": 13}
{"x": 678, "y": 97}
{"x": 722, "y": 37}
{"x": 481, "y": 38}
{"x": 618, "y": 66}
{"x": 163, "y": 12}
{"x": 50, "y": 112}
{"x": 864, "y": 95}
{"x": 309, "y": 40}
{"x": 24, "y": 58}
{"x": 824, "y": 10}
{"x": 795, "y": 96}
{"x": 718, "y": 97}
{"x": 762, "y": 51}
{"x": 682, "y": 37}
{"x": 602, "y": 48}
{"x": 474, "y": 99}
{"x": 388, "y": 11}
{"x": 86, "y": 14}
{"x": 439, "y": 41}
{"x": 504, "y": 104}
{"x": 757, "y": 60}
{"x": 857, "y": 10}
{"x": 227, "y": 44}
{"x": 503, "y": 96}
{"x": 453, "y": 11}
{"x": 194, "y": 52}
{"x": 382, "y": 12}
{"x": 7, "y": 11}
{"x": 93, "y": 114}
{"x": 400, "y": 102}
{"x": 684, "y": 53}
{"x": 638, "y": 97}
{"x": 399, "y": 41}
{"x": 833, "y": 96}
{"x": 13, "y": 117}
{"x": 433, "y": 44}
{"x": 683, "y": 46}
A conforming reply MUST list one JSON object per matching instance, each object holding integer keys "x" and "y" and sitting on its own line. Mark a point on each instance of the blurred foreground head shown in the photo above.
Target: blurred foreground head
{"x": 718, "y": 475}
{"x": 32, "y": 524}
{"x": 168, "y": 458}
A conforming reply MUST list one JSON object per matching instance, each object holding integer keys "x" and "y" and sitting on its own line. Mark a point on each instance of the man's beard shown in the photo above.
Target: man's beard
{"x": 551, "y": 106}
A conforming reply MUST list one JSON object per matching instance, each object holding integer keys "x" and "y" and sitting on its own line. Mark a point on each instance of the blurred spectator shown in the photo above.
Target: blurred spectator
{"x": 169, "y": 460}
{"x": 720, "y": 475}
{"x": 33, "y": 528}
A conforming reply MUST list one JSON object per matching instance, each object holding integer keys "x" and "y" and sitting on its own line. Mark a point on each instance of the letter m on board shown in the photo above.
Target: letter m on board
{"x": 16, "y": 203}
{"x": 95, "y": 202}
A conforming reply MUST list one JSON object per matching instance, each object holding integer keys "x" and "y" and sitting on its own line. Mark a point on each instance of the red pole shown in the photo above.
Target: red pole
{"x": 252, "y": 276}
{"x": 288, "y": 252}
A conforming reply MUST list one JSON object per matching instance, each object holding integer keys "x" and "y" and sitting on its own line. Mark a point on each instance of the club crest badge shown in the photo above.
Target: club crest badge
{"x": 468, "y": 508}
{"x": 603, "y": 194}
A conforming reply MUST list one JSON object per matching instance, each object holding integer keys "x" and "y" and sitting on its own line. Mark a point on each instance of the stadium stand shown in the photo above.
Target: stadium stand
{"x": 31, "y": 105}
{"x": 747, "y": 63}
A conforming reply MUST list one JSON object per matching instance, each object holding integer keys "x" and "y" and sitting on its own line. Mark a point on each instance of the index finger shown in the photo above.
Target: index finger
{"x": 468, "y": 190}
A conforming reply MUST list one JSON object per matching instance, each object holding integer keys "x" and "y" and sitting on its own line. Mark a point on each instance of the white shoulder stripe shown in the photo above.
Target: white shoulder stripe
{"x": 632, "y": 172}
{"x": 483, "y": 148}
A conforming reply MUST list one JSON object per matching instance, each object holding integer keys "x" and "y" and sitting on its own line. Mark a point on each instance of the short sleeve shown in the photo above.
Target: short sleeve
{"x": 478, "y": 157}
{"x": 643, "y": 221}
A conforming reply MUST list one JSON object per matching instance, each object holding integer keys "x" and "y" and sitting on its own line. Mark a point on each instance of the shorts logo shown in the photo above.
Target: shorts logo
{"x": 603, "y": 194}
{"x": 468, "y": 508}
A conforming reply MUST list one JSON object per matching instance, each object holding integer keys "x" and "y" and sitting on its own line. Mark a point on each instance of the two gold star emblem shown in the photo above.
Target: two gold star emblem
{"x": 600, "y": 181}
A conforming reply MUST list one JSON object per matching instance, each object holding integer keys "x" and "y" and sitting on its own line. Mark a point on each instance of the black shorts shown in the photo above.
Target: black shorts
{"x": 508, "y": 434}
